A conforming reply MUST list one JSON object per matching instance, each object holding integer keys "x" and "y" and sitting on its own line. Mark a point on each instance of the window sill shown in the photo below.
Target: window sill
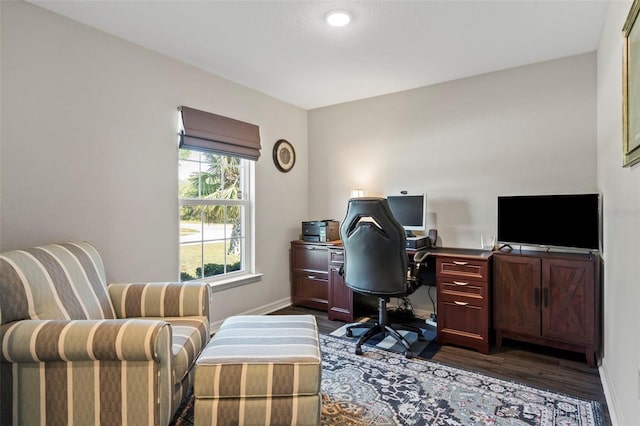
{"x": 228, "y": 283}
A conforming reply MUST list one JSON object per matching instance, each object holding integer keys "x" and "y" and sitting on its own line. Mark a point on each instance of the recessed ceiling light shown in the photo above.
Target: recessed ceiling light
{"x": 338, "y": 18}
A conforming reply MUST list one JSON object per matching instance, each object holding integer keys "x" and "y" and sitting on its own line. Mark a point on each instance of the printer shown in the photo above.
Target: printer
{"x": 321, "y": 230}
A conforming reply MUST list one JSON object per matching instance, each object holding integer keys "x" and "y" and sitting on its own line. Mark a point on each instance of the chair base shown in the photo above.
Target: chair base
{"x": 383, "y": 326}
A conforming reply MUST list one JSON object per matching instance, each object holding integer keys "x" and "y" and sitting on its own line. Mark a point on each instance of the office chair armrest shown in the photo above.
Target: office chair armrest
{"x": 414, "y": 280}
{"x": 420, "y": 255}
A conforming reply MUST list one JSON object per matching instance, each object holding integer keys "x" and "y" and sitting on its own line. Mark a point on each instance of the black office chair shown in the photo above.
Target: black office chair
{"x": 376, "y": 264}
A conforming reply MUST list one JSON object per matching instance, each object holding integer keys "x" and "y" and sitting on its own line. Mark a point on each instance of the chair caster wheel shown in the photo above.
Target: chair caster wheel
{"x": 408, "y": 355}
{"x": 358, "y": 350}
{"x": 349, "y": 333}
{"x": 421, "y": 337}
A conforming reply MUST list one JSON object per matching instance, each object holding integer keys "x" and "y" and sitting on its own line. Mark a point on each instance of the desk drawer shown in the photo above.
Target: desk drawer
{"x": 447, "y": 285}
{"x": 311, "y": 275}
{"x": 463, "y": 321}
{"x": 309, "y": 257}
{"x": 461, "y": 300}
{"x": 462, "y": 267}
{"x": 310, "y": 290}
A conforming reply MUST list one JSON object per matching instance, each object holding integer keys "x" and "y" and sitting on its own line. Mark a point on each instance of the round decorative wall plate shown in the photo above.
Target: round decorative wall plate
{"x": 284, "y": 156}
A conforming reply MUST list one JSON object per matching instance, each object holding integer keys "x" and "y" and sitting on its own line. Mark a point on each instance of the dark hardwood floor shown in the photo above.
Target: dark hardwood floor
{"x": 536, "y": 366}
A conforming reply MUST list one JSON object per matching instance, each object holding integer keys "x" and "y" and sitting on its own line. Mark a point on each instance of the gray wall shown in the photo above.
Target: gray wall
{"x": 621, "y": 188}
{"x": 528, "y": 130}
{"x": 88, "y": 152}
{"x": 523, "y": 130}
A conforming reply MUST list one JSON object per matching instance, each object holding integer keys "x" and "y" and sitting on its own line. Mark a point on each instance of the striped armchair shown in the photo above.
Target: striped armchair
{"x": 76, "y": 352}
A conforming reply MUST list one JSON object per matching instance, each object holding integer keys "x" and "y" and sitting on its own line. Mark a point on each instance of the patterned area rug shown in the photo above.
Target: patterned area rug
{"x": 384, "y": 388}
{"x": 422, "y": 349}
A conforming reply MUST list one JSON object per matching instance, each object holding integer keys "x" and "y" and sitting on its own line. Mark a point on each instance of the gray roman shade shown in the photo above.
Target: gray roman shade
{"x": 204, "y": 131}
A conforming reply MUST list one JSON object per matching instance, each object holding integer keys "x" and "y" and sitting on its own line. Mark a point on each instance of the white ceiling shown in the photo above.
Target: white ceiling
{"x": 285, "y": 49}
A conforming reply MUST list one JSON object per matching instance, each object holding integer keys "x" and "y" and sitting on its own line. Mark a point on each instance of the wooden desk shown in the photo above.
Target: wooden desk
{"x": 562, "y": 309}
{"x": 462, "y": 277}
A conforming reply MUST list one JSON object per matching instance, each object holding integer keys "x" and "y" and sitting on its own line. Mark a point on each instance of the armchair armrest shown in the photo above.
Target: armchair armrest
{"x": 160, "y": 299}
{"x": 84, "y": 340}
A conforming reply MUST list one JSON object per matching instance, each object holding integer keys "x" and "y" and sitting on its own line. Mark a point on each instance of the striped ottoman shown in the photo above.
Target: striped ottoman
{"x": 260, "y": 370}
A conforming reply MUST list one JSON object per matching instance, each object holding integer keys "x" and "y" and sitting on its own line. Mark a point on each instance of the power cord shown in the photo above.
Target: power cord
{"x": 433, "y": 315}
{"x": 404, "y": 306}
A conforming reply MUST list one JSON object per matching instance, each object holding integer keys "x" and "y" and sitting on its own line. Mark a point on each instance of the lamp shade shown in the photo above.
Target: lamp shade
{"x": 357, "y": 193}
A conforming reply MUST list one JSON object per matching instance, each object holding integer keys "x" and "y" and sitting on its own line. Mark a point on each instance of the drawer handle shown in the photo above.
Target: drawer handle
{"x": 339, "y": 253}
{"x": 311, "y": 277}
{"x": 311, "y": 248}
{"x": 457, "y": 262}
{"x": 460, "y": 303}
{"x": 460, "y": 283}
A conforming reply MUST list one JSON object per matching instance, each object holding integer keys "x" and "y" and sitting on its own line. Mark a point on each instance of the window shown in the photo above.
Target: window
{"x": 215, "y": 211}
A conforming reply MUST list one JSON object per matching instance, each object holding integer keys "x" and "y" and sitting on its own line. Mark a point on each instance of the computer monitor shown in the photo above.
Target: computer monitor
{"x": 410, "y": 211}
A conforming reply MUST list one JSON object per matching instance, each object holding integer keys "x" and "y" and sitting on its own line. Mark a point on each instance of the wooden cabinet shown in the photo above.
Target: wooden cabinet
{"x": 551, "y": 299}
{"x": 463, "y": 282}
{"x": 315, "y": 279}
{"x": 309, "y": 275}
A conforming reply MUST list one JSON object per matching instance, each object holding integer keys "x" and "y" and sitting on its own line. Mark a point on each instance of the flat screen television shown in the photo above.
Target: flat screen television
{"x": 564, "y": 221}
{"x": 410, "y": 211}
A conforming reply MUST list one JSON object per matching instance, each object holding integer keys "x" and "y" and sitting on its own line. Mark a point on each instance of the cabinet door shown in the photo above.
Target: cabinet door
{"x": 340, "y": 296}
{"x": 516, "y": 294}
{"x": 568, "y": 293}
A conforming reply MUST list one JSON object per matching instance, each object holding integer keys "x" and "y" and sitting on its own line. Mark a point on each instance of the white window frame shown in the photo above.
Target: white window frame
{"x": 248, "y": 274}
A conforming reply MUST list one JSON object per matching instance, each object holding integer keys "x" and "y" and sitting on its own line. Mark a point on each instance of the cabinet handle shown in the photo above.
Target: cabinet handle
{"x": 536, "y": 297}
{"x": 457, "y": 262}
{"x": 339, "y": 252}
{"x": 460, "y": 283}
{"x": 545, "y": 297}
{"x": 460, "y": 303}
{"x": 311, "y": 248}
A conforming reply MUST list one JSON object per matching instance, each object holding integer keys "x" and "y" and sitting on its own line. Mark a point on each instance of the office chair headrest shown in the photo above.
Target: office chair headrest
{"x": 373, "y": 210}
{"x": 375, "y": 260}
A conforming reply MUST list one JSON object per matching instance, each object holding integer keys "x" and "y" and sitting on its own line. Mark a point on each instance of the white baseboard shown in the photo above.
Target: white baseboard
{"x": 260, "y": 310}
{"x": 609, "y": 395}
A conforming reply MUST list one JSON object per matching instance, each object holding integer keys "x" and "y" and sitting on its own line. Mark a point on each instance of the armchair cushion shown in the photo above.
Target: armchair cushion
{"x": 190, "y": 336}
